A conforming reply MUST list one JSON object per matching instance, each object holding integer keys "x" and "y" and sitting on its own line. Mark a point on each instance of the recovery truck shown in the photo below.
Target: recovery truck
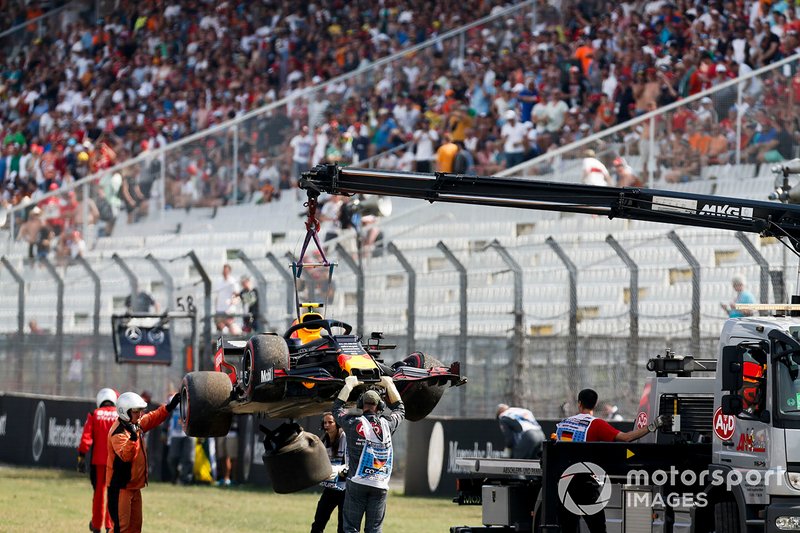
{"x": 730, "y": 461}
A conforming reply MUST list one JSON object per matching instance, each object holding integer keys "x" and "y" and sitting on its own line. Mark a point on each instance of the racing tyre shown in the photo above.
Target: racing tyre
{"x": 726, "y": 517}
{"x": 420, "y": 397}
{"x": 204, "y": 404}
{"x": 262, "y": 356}
{"x": 294, "y": 459}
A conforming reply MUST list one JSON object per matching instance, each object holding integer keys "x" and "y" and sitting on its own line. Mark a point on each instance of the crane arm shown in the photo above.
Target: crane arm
{"x": 768, "y": 219}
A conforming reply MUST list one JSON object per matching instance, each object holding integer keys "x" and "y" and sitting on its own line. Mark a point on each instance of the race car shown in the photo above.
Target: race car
{"x": 299, "y": 374}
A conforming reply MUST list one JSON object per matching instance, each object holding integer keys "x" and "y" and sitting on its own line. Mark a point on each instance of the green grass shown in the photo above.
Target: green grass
{"x": 35, "y": 499}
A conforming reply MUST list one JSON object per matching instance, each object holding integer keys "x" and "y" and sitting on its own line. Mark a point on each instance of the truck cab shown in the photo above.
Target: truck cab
{"x": 749, "y": 410}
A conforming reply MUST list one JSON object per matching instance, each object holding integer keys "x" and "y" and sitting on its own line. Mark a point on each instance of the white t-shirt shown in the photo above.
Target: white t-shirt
{"x": 301, "y": 144}
{"x": 594, "y": 172}
{"x": 513, "y": 135}
{"x": 226, "y": 289}
{"x": 425, "y": 140}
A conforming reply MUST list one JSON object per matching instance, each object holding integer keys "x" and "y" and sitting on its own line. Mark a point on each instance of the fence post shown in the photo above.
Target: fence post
{"x": 95, "y": 324}
{"x": 262, "y": 286}
{"x": 132, "y": 279}
{"x": 762, "y": 263}
{"x": 167, "y": 277}
{"x": 633, "y": 342}
{"x": 462, "y": 319}
{"x": 518, "y": 351}
{"x": 59, "y": 322}
{"x": 20, "y": 295}
{"x": 204, "y": 362}
{"x": 20, "y": 336}
{"x": 356, "y": 268}
{"x": 695, "y": 266}
{"x": 287, "y": 278}
{"x": 572, "y": 339}
{"x": 412, "y": 295}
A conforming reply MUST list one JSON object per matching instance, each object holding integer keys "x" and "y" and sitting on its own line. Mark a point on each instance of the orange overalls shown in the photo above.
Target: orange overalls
{"x": 95, "y": 436}
{"x": 126, "y": 471}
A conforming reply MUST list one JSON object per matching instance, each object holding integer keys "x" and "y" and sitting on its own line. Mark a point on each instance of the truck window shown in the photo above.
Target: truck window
{"x": 788, "y": 384}
{"x": 754, "y": 379}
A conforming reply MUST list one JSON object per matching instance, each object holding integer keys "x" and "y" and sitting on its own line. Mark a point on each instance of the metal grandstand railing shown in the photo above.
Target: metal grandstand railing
{"x": 661, "y": 153}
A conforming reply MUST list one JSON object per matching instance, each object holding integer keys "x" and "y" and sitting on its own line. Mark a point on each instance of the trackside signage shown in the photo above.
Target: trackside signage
{"x": 41, "y": 430}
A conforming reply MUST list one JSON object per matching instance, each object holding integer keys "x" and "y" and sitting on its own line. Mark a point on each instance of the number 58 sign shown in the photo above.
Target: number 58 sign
{"x": 185, "y": 303}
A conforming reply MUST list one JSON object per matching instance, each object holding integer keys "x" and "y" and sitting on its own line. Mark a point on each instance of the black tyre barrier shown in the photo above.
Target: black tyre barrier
{"x": 294, "y": 459}
{"x": 204, "y": 404}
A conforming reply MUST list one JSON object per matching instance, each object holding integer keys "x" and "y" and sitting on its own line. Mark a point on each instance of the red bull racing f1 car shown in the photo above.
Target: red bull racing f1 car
{"x": 299, "y": 374}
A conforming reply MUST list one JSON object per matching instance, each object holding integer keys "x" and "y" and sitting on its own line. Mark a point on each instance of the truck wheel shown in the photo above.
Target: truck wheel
{"x": 420, "y": 397}
{"x": 262, "y": 356}
{"x": 726, "y": 517}
{"x": 204, "y": 404}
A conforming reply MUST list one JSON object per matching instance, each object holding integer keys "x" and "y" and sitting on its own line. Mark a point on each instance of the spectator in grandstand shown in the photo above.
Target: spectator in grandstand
{"x": 513, "y": 136}
{"x": 464, "y": 162}
{"x": 227, "y": 302}
{"x": 784, "y": 145}
{"x": 763, "y": 141}
{"x": 626, "y": 177}
{"x": 302, "y": 146}
{"x": 141, "y": 302}
{"x": 446, "y": 154}
{"x": 743, "y": 296}
{"x": 70, "y": 247}
{"x": 29, "y": 230}
{"x": 489, "y": 159}
{"x": 425, "y": 138}
{"x": 250, "y": 306}
{"x": 522, "y": 433}
{"x": 95, "y": 437}
{"x": 333, "y": 488}
{"x": 594, "y": 171}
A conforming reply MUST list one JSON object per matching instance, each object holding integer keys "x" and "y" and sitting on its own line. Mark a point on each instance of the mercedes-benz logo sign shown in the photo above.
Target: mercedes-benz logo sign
{"x": 156, "y": 336}
{"x": 584, "y": 508}
{"x": 133, "y": 334}
{"x": 38, "y": 432}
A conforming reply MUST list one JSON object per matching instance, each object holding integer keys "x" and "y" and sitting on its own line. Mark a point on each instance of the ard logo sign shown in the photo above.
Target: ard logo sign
{"x": 724, "y": 425}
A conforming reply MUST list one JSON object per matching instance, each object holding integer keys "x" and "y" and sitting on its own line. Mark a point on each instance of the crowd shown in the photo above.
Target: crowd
{"x": 103, "y": 90}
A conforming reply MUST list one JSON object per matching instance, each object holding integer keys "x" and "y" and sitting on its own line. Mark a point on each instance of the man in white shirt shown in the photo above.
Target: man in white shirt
{"x": 594, "y": 171}
{"x": 513, "y": 136}
{"x": 301, "y": 145}
{"x": 227, "y": 302}
{"x": 425, "y": 138}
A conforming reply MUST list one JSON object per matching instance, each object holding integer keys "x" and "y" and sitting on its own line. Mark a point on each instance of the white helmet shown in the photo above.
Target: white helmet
{"x": 128, "y": 401}
{"x": 106, "y": 395}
